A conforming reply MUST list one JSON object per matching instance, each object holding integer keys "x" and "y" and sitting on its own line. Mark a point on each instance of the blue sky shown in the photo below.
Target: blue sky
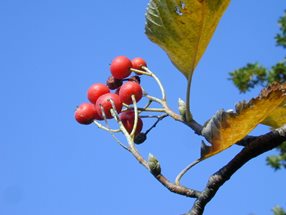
{"x": 52, "y": 51}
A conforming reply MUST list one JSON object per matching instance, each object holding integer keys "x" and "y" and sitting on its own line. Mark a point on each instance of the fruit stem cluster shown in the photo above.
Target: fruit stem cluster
{"x": 147, "y": 108}
{"x": 122, "y": 105}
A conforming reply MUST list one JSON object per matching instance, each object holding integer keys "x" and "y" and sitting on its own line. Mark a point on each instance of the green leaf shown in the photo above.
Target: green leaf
{"x": 277, "y": 210}
{"x": 228, "y": 127}
{"x": 249, "y": 76}
{"x": 278, "y": 72}
{"x": 281, "y": 36}
{"x": 183, "y": 28}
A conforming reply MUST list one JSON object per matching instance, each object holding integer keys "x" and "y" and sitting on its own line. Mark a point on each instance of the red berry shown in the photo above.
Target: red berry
{"x": 86, "y": 114}
{"x": 105, "y": 102}
{"x": 120, "y": 67}
{"x": 128, "y": 119}
{"x": 128, "y": 89}
{"x": 138, "y": 62}
{"x": 95, "y": 91}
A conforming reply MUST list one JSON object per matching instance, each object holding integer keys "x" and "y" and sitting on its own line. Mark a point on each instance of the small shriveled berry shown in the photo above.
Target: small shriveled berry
{"x": 140, "y": 138}
{"x": 135, "y": 78}
{"x": 113, "y": 83}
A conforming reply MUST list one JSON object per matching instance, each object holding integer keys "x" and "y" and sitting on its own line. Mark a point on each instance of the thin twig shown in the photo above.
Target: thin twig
{"x": 148, "y": 104}
{"x": 158, "y": 82}
{"x": 130, "y": 137}
{"x": 153, "y": 116}
{"x": 109, "y": 130}
{"x": 153, "y": 98}
{"x": 132, "y": 147}
{"x": 190, "y": 123}
{"x": 136, "y": 117}
{"x": 159, "y": 118}
{"x": 160, "y": 177}
{"x": 140, "y": 72}
{"x": 99, "y": 125}
{"x": 151, "y": 109}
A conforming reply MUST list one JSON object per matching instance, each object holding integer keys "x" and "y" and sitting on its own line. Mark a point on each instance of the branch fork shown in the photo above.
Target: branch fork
{"x": 252, "y": 146}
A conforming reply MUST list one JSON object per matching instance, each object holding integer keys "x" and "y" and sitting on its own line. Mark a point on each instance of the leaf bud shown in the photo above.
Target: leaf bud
{"x": 182, "y": 107}
{"x": 154, "y": 165}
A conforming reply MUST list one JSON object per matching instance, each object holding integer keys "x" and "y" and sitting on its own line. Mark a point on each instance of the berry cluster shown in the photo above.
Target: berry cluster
{"x": 103, "y": 103}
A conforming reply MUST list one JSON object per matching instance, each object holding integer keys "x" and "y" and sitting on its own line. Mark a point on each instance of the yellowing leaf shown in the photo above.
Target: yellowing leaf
{"x": 183, "y": 28}
{"x": 228, "y": 127}
{"x": 277, "y": 118}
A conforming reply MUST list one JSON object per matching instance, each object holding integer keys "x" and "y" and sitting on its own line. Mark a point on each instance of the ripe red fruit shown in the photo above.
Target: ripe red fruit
{"x": 138, "y": 62}
{"x": 128, "y": 120}
{"x": 105, "y": 102}
{"x": 86, "y": 114}
{"x": 95, "y": 91}
{"x": 120, "y": 67}
{"x": 128, "y": 89}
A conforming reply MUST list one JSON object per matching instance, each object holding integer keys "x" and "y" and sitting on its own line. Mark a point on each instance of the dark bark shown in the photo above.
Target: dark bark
{"x": 254, "y": 148}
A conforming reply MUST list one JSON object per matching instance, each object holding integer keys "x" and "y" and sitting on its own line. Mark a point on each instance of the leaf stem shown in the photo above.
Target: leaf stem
{"x": 189, "y": 116}
{"x": 184, "y": 171}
